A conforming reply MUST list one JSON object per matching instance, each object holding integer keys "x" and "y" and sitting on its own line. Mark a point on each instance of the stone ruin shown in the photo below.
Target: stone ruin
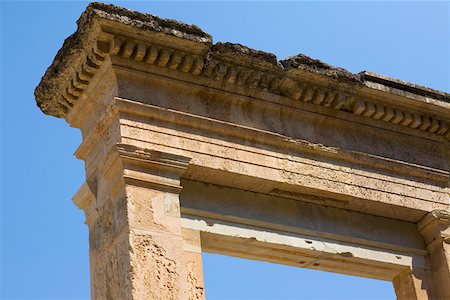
{"x": 191, "y": 146}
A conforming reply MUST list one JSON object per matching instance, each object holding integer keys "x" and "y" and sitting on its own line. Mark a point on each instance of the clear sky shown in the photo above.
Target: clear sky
{"x": 44, "y": 243}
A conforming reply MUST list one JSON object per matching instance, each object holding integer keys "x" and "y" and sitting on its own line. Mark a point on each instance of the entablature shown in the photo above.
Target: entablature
{"x": 131, "y": 78}
{"x": 107, "y": 33}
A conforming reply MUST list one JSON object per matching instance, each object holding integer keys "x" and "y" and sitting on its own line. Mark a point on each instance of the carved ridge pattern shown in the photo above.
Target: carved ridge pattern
{"x": 378, "y": 111}
{"x": 230, "y": 73}
{"x": 275, "y": 83}
{"x": 157, "y": 55}
{"x": 264, "y": 80}
{"x": 80, "y": 80}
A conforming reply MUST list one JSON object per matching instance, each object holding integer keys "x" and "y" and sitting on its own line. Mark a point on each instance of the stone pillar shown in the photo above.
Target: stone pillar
{"x": 435, "y": 228}
{"x": 410, "y": 285}
{"x": 137, "y": 246}
{"x": 194, "y": 267}
{"x": 434, "y": 282}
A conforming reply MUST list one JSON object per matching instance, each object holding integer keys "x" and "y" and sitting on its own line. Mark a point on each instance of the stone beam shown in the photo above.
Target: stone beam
{"x": 288, "y": 167}
{"x": 310, "y": 217}
{"x": 300, "y": 251}
{"x": 282, "y": 230}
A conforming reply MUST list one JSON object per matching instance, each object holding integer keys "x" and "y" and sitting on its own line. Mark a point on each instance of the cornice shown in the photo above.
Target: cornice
{"x": 84, "y": 51}
{"x": 401, "y": 85}
{"x": 108, "y": 31}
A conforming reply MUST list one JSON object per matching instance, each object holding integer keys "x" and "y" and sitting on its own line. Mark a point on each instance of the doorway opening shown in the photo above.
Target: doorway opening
{"x": 231, "y": 278}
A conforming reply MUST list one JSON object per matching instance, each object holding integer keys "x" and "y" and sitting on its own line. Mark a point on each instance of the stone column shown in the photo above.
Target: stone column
{"x": 410, "y": 285}
{"x": 137, "y": 246}
{"x": 435, "y": 228}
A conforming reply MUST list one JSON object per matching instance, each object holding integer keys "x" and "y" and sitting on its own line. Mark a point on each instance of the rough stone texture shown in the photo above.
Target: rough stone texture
{"x": 410, "y": 285}
{"x": 193, "y": 259}
{"x": 144, "y": 21}
{"x": 193, "y": 147}
{"x": 52, "y": 83}
{"x": 243, "y": 55}
{"x": 154, "y": 274}
{"x": 80, "y": 41}
{"x": 404, "y": 85}
{"x": 303, "y": 62}
{"x": 194, "y": 277}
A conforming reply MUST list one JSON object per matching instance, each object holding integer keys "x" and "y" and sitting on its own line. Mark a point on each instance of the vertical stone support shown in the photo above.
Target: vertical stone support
{"x": 137, "y": 247}
{"x": 410, "y": 285}
{"x": 434, "y": 282}
{"x": 435, "y": 228}
{"x": 194, "y": 267}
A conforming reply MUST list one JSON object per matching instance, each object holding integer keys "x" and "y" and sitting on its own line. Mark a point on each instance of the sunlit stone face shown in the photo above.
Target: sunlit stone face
{"x": 192, "y": 147}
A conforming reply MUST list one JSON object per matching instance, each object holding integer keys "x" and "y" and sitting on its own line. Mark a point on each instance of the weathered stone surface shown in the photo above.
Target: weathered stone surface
{"x": 411, "y": 285}
{"x": 71, "y": 53}
{"x": 192, "y": 147}
{"x": 243, "y": 55}
{"x": 305, "y": 63}
{"x": 144, "y": 21}
{"x": 404, "y": 85}
{"x": 51, "y": 88}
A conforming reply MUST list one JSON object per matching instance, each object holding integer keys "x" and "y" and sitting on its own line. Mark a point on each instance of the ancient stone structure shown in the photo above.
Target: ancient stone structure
{"x": 191, "y": 146}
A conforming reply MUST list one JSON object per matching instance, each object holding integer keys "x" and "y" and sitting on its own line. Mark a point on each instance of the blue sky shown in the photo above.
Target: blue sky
{"x": 44, "y": 243}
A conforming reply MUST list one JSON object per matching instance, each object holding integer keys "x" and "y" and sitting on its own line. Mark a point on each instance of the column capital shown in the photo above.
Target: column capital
{"x": 435, "y": 227}
{"x": 149, "y": 168}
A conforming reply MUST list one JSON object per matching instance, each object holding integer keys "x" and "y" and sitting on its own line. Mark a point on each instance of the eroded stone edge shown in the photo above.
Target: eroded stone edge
{"x": 233, "y": 63}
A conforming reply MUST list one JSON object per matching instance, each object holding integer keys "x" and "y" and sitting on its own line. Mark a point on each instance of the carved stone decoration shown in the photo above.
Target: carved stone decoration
{"x": 435, "y": 228}
{"x": 230, "y": 63}
{"x": 194, "y": 147}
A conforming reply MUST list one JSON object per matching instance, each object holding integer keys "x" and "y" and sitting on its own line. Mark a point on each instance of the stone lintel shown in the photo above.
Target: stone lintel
{"x": 298, "y": 250}
{"x": 128, "y": 107}
{"x": 299, "y": 216}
